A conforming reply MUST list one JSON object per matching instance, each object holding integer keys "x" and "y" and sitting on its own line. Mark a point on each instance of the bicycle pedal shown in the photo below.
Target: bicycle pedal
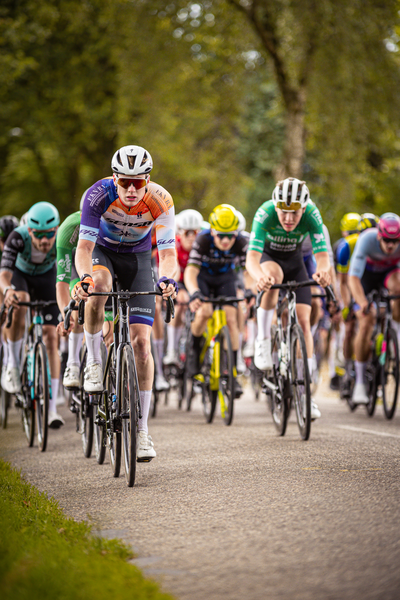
{"x": 73, "y": 408}
{"x": 124, "y": 415}
{"x": 144, "y": 460}
{"x": 99, "y": 421}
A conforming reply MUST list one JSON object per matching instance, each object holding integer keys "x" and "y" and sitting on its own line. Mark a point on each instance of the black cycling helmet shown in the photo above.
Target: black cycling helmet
{"x": 7, "y": 224}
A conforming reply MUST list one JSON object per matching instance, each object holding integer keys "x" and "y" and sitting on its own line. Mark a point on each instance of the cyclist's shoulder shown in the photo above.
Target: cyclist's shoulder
{"x": 366, "y": 240}
{"x": 265, "y": 213}
{"x": 104, "y": 189}
{"x": 158, "y": 198}
{"x": 18, "y": 237}
{"x": 67, "y": 228}
{"x": 312, "y": 215}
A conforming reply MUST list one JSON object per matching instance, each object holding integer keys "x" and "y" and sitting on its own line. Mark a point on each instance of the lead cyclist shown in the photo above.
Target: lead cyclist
{"x": 118, "y": 214}
{"x": 274, "y": 256}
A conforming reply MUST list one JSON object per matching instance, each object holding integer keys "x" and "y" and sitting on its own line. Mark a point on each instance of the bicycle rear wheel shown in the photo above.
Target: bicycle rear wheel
{"x": 208, "y": 396}
{"x": 300, "y": 381}
{"x": 5, "y": 396}
{"x": 372, "y": 376}
{"x": 226, "y": 391}
{"x": 28, "y": 406}
{"x": 278, "y": 401}
{"x": 129, "y": 399}
{"x": 390, "y": 375}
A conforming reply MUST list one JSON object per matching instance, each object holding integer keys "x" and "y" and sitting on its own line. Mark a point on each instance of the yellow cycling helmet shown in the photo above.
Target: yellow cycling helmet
{"x": 349, "y": 222}
{"x": 367, "y": 220}
{"x": 224, "y": 218}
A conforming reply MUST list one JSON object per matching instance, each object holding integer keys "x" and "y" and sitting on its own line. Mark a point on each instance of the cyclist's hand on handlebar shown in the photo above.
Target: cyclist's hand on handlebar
{"x": 265, "y": 282}
{"x": 168, "y": 286}
{"x": 61, "y": 329}
{"x": 196, "y": 300}
{"x": 323, "y": 278}
{"x": 83, "y": 288}
{"x": 11, "y": 299}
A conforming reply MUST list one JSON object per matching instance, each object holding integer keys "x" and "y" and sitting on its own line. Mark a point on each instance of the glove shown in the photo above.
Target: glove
{"x": 196, "y": 295}
{"x": 167, "y": 281}
{"x": 85, "y": 283}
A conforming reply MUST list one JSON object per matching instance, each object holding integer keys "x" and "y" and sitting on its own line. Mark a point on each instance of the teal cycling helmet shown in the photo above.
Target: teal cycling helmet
{"x": 43, "y": 215}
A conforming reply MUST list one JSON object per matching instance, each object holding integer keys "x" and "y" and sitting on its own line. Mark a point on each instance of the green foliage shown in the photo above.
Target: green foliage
{"x": 45, "y": 555}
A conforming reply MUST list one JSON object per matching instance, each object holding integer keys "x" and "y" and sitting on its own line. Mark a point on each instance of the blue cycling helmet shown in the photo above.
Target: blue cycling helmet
{"x": 43, "y": 215}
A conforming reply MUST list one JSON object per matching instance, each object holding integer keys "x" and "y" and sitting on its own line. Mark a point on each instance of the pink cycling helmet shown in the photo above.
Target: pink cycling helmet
{"x": 389, "y": 226}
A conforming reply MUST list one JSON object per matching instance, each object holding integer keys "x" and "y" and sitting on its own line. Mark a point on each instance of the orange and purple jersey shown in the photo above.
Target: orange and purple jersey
{"x": 107, "y": 222}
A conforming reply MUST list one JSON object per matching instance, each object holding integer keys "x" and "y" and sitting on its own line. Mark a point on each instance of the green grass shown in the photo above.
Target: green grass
{"x": 44, "y": 555}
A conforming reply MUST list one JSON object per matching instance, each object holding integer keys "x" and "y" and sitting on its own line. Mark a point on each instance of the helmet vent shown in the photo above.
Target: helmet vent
{"x": 35, "y": 221}
{"x": 119, "y": 159}
{"x": 131, "y": 161}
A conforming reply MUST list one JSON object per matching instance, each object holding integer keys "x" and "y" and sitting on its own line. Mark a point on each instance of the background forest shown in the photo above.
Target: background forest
{"x": 227, "y": 95}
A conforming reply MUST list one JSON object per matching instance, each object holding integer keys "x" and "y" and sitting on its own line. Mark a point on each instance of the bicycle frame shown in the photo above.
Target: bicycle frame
{"x": 214, "y": 326}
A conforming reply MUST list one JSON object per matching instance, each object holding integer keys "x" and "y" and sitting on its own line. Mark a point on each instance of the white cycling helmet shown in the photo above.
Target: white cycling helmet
{"x": 189, "y": 219}
{"x": 24, "y": 219}
{"x": 82, "y": 199}
{"x": 291, "y": 194}
{"x": 242, "y": 221}
{"x": 132, "y": 160}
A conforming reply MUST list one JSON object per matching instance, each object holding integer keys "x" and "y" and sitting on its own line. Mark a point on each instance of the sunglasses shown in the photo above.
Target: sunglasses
{"x": 189, "y": 232}
{"x": 230, "y": 236}
{"x": 390, "y": 241}
{"x": 137, "y": 183}
{"x": 291, "y": 207}
{"x": 41, "y": 234}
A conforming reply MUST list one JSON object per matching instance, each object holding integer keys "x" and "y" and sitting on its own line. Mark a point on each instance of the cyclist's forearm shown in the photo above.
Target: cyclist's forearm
{"x": 83, "y": 257}
{"x": 190, "y": 279}
{"x": 323, "y": 263}
{"x": 168, "y": 266}
{"x": 253, "y": 267}
{"x": 5, "y": 280}
{"x": 63, "y": 296}
{"x": 357, "y": 290}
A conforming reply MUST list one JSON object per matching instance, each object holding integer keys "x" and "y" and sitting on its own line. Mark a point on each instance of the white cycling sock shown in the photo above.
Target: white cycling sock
{"x": 314, "y": 329}
{"x": 264, "y": 322}
{"x": 158, "y": 354}
{"x": 145, "y": 401}
{"x": 74, "y": 346}
{"x": 251, "y": 332}
{"x": 5, "y": 353}
{"x": 93, "y": 344}
{"x": 171, "y": 333}
{"x": 310, "y": 362}
{"x": 14, "y": 353}
{"x": 239, "y": 352}
{"x": 54, "y": 393}
{"x": 360, "y": 371}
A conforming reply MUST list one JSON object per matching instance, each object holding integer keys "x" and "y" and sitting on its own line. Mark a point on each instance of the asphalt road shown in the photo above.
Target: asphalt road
{"x": 238, "y": 512}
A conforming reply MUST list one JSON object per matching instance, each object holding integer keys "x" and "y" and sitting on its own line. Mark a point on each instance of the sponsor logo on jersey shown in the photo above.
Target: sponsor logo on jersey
{"x": 319, "y": 237}
{"x": 161, "y": 242}
{"x": 261, "y": 215}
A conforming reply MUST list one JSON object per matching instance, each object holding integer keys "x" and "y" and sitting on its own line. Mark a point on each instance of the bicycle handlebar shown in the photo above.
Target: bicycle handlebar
{"x": 124, "y": 295}
{"x": 291, "y": 286}
{"x": 31, "y": 304}
{"x": 221, "y": 300}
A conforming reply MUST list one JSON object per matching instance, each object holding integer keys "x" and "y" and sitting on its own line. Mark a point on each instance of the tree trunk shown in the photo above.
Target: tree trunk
{"x": 294, "y": 149}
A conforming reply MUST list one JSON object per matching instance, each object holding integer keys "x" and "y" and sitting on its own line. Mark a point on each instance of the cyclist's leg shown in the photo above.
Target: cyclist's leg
{"x": 103, "y": 275}
{"x": 15, "y": 336}
{"x": 265, "y": 314}
{"x": 199, "y": 324}
{"x": 392, "y": 283}
{"x": 175, "y": 328}
{"x": 75, "y": 338}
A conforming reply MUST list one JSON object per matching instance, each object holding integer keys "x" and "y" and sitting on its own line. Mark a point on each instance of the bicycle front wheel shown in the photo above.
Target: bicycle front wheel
{"x": 390, "y": 375}
{"x": 98, "y": 423}
{"x": 5, "y": 396}
{"x": 129, "y": 399}
{"x": 278, "y": 401}
{"x": 226, "y": 392}
{"x": 41, "y": 387}
{"x": 28, "y": 407}
{"x": 300, "y": 381}
{"x": 85, "y": 411}
{"x": 113, "y": 427}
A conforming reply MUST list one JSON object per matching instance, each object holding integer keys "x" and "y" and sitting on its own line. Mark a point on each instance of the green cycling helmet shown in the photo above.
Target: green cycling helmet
{"x": 43, "y": 215}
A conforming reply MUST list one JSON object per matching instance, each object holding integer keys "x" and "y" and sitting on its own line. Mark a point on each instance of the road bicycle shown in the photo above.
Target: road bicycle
{"x": 217, "y": 377}
{"x": 289, "y": 379}
{"x": 35, "y": 393}
{"x": 382, "y": 370}
{"x": 117, "y": 409}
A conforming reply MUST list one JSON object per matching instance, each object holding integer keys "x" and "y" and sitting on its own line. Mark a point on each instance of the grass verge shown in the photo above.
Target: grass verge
{"x": 44, "y": 555}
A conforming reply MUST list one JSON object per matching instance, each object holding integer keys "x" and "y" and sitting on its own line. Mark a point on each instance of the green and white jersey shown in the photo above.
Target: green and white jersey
{"x": 67, "y": 241}
{"x": 268, "y": 235}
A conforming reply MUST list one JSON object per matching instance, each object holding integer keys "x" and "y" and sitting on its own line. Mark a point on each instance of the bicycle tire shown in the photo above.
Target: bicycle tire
{"x": 372, "y": 375}
{"x": 390, "y": 375}
{"x": 113, "y": 435}
{"x": 28, "y": 408}
{"x": 85, "y": 411}
{"x": 5, "y": 396}
{"x": 41, "y": 387}
{"x": 226, "y": 391}
{"x": 129, "y": 398}
{"x": 278, "y": 400}
{"x": 99, "y": 435}
{"x": 300, "y": 381}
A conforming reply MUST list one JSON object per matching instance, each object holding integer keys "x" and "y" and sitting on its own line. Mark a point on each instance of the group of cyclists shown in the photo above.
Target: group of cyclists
{"x": 126, "y": 234}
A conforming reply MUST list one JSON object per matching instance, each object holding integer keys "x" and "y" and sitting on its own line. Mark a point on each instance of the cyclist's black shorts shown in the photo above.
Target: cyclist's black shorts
{"x": 374, "y": 280}
{"x": 224, "y": 284}
{"x": 293, "y": 270}
{"x": 135, "y": 274}
{"x": 39, "y": 287}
